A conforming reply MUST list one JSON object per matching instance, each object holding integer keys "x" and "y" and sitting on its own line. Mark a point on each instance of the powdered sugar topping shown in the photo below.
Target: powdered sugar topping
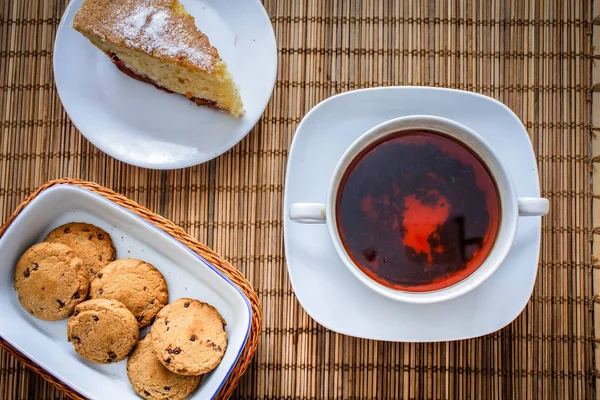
{"x": 133, "y": 23}
{"x": 154, "y": 30}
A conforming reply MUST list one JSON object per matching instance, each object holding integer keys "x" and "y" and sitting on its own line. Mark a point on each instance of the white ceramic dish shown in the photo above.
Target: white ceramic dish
{"x": 330, "y": 293}
{"x": 511, "y": 206}
{"x": 140, "y": 125}
{"x": 187, "y": 275}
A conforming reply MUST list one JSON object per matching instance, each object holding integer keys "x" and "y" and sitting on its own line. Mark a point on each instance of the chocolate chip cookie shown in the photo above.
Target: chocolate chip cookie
{"x": 137, "y": 284}
{"x": 92, "y": 244}
{"x": 151, "y": 380}
{"x": 50, "y": 281}
{"x": 189, "y": 337}
{"x": 102, "y": 330}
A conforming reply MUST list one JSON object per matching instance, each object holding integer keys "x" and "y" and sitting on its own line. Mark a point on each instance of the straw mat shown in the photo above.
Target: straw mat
{"x": 536, "y": 56}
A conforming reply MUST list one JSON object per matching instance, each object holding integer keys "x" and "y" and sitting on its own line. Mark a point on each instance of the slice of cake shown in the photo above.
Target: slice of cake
{"x": 157, "y": 41}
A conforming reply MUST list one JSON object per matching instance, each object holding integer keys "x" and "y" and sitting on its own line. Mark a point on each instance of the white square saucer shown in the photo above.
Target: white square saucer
{"x": 329, "y": 292}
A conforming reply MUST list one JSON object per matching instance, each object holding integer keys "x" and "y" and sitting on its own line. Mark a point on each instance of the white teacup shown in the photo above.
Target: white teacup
{"x": 511, "y": 206}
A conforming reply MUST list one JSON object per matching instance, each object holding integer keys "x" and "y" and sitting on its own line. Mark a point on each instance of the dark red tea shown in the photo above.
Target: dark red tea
{"x": 417, "y": 211}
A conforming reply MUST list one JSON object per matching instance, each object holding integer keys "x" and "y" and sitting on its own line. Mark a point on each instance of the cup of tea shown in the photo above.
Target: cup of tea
{"x": 420, "y": 209}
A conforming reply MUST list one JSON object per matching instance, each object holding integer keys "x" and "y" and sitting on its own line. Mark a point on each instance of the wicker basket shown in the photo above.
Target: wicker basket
{"x": 177, "y": 233}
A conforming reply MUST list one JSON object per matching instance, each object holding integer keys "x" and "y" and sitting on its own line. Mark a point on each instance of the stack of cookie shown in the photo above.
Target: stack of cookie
{"x": 74, "y": 273}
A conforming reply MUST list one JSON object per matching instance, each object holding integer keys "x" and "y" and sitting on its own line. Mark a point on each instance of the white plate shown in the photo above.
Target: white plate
{"x": 327, "y": 289}
{"x": 141, "y": 125}
{"x": 187, "y": 275}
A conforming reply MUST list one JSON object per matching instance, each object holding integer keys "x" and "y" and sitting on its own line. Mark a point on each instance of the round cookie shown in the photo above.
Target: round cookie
{"x": 137, "y": 284}
{"x": 151, "y": 380}
{"x": 188, "y": 337}
{"x": 50, "y": 281}
{"x": 102, "y": 330}
{"x": 93, "y": 245}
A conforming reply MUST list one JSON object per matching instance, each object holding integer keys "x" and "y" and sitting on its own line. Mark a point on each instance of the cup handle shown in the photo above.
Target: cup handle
{"x": 308, "y": 213}
{"x": 532, "y": 206}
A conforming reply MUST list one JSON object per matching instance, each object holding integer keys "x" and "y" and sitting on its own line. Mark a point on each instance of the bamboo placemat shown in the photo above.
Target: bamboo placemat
{"x": 536, "y": 56}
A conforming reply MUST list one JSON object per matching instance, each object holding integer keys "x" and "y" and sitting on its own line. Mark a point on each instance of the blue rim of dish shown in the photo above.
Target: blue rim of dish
{"x": 205, "y": 262}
